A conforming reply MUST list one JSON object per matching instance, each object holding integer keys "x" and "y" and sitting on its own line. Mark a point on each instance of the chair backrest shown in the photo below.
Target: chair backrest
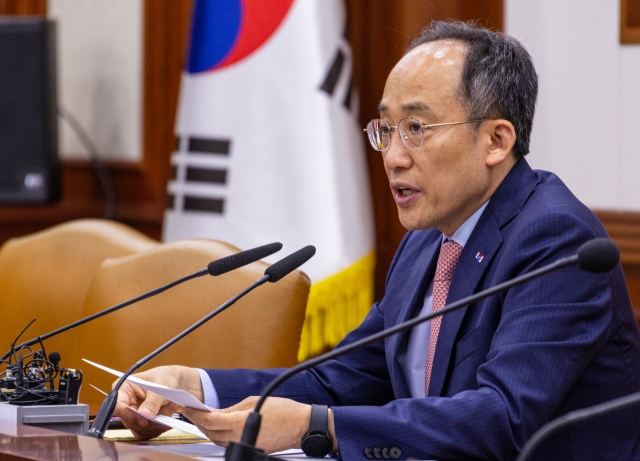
{"x": 261, "y": 330}
{"x": 46, "y": 275}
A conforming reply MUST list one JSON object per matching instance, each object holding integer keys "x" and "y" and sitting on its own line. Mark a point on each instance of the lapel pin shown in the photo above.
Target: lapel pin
{"x": 479, "y": 257}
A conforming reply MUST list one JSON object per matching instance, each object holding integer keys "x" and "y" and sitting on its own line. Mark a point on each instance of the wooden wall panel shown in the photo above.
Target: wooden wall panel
{"x": 624, "y": 230}
{"x": 23, "y": 7}
{"x": 629, "y": 21}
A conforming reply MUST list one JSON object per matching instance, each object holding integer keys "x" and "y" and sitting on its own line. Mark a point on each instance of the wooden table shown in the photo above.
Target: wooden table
{"x": 19, "y": 442}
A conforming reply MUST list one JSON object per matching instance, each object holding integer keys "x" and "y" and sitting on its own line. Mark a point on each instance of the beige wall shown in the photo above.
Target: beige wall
{"x": 100, "y": 74}
{"x": 587, "y": 125}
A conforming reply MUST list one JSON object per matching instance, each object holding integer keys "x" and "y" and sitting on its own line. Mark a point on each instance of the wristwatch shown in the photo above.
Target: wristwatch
{"x": 317, "y": 443}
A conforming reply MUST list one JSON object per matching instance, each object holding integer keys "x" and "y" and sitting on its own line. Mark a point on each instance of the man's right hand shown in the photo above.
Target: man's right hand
{"x": 132, "y": 395}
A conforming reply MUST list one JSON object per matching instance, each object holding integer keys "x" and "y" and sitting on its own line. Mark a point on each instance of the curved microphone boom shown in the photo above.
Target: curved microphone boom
{"x": 215, "y": 268}
{"x": 574, "y": 417}
{"x": 597, "y": 255}
{"x": 272, "y": 274}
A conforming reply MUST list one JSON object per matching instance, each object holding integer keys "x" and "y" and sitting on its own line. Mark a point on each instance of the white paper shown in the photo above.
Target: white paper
{"x": 179, "y": 396}
{"x": 173, "y": 423}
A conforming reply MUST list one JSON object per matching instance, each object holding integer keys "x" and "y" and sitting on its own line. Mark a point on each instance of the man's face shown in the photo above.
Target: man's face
{"x": 445, "y": 181}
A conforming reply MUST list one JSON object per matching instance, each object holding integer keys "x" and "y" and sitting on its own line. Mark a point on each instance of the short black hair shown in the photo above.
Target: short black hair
{"x": 498, "y": 77}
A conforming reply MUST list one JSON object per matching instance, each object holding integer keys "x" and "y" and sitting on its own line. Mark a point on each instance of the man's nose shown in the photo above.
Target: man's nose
{"x": 398, "y": 155}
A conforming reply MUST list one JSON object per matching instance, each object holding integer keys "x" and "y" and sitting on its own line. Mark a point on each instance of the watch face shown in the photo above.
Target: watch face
{"x": 317, "y": 445}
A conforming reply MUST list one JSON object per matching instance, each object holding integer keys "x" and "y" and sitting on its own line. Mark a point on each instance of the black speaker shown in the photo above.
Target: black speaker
{"x": 29, "y": 164}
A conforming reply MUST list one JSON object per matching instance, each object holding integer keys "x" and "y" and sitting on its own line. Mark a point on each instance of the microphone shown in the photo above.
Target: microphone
{"x": 238, "y": 260}
{"x": 54, "y": 358}
{"x": 215, "y": 268}
{"x": 272, "y": 274}
{"x": 574, "y": 417}
{"x": 597, "y": 255}
{"x": 289, "y": 263}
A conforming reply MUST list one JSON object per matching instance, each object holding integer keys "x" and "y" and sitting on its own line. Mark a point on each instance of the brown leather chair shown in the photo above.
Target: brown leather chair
{"x": 46, "y": 275}
{"x": 261, "y": 330}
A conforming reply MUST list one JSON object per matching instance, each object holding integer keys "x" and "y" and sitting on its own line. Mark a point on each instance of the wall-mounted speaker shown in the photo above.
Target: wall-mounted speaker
{"x": 29, "y": 164}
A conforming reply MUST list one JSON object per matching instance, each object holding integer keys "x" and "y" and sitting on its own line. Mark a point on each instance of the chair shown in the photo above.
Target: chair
{"x": 261, "y": 330}
{"x": 46, "y": 275}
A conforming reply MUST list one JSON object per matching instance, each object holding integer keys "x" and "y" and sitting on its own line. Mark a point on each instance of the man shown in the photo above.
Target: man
{"x": 455, "y": 120}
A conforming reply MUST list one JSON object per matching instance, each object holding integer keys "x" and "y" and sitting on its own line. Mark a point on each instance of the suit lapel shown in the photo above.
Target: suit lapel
{"x": 420, "y": 278}
{"x": 485, "y": 239}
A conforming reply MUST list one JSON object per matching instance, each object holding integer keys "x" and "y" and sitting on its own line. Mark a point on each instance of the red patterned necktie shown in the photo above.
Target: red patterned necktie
{"x": 449, "y": 255}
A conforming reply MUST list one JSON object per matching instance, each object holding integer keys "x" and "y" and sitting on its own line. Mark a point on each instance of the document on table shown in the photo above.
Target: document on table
{"x": 179, "y": 396}
{"x": 173, "y": 423}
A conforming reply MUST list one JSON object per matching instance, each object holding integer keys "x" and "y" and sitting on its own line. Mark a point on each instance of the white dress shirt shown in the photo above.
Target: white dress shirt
{"x": 415, "y": 362}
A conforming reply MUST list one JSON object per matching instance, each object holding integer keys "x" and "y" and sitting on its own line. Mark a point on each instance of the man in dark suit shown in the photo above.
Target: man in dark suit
{"x": 455, "y": 120}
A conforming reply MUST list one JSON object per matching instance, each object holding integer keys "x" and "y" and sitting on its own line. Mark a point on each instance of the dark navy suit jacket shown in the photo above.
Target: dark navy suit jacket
{"x": 502, "y": 367}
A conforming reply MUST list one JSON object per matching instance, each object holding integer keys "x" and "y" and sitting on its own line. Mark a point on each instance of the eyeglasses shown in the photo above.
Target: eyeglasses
{"x": 411, "y": 132}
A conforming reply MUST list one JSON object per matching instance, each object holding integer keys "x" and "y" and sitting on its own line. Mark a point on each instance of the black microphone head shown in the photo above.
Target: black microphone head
{"x": 54, "y": 357}
{"x": 233, "y": 262}
{"x": 598, "y": 255}
{"x": 289, "y": 263}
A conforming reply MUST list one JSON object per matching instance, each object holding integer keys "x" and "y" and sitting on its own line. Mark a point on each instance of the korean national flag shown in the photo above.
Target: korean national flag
{"x": 269, "y": 149}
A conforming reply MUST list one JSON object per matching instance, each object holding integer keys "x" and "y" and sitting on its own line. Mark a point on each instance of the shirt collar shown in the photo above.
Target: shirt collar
{"x": 463, "y": 233}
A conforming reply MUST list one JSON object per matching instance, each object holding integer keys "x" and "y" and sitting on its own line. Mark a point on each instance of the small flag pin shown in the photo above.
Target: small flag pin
{"x": 479, "y": 257}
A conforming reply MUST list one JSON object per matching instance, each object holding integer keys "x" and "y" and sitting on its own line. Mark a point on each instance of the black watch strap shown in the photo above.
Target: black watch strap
{"x": 319, "y": 419}
{"x": 317, "y": 442}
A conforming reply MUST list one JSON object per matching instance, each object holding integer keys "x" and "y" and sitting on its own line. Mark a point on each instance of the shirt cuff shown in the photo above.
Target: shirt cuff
{"x": 210, "y": 394}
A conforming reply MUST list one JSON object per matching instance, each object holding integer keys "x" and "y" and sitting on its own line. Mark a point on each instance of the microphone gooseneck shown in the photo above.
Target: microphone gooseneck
{"x": 220, "y": 266}
{"x": 287, "y": 265}
{"x": 574, "y": 417}
{"x": 586, "y": 257}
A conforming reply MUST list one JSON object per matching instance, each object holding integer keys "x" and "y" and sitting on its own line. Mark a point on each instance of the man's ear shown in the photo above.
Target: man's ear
{"x": 501, "y": 138}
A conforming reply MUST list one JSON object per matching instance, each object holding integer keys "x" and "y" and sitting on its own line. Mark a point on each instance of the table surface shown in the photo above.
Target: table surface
{"x": 34, "y": 443}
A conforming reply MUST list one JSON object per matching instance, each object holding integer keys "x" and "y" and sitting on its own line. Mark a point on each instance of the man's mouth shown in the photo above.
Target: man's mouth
{"x": 403, "y": 194}
{"x": 405, "y": 191}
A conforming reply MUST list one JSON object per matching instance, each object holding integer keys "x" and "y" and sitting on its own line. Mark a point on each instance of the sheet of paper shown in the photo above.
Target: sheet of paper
{"x": 173, "y": 423}
{"x": 173, "y": 435}
{"x": 179, "y": 396}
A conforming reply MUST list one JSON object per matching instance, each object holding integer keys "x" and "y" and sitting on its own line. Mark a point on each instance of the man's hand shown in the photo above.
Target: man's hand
{"x": 284, "y": 423}
{"x": 130, "y": 394}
